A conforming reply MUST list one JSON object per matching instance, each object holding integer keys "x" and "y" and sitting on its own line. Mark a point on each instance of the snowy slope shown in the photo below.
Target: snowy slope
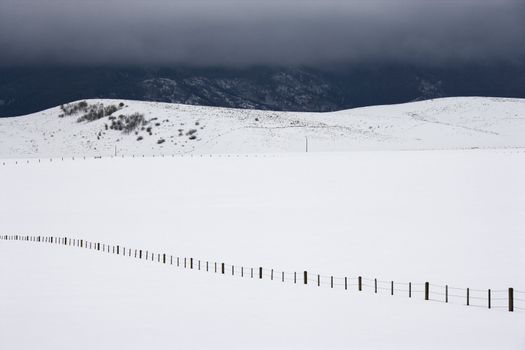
{"x": 448, "y": 217}
{"x": 434, "y": 124}
{"x": 451, "y": 216}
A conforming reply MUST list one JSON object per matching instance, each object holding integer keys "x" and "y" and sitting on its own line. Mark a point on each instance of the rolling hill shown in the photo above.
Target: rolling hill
{"x": 447, "y": 123}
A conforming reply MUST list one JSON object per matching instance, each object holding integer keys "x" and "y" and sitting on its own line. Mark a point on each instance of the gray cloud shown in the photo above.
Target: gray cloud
{"x": 248, "y": 32}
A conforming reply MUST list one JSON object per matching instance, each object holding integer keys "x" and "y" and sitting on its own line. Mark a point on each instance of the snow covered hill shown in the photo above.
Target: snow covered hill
{"x": 460, "y": 122}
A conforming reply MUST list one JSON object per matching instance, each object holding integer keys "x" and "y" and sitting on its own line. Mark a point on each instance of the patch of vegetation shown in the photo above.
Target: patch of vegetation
{"x": 89, "y": 112}
{"x": 127, "y": 123}
{"x": 96, "y": 112}
{"x": 73, "y": 108}
{"x": 133, "y": 121}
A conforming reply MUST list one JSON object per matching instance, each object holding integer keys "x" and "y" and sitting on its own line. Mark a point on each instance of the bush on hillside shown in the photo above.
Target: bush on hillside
{"x": 133, "y": 121}
{"x": 73, "y": 108}
{"x": 97, "y": 111}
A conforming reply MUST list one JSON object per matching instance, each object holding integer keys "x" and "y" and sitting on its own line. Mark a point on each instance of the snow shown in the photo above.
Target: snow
{"x": 63, "y": 298}
{"x": 448, "y": 217}
{"x": 448, "y": 123}
{"x": 430, "y": 191}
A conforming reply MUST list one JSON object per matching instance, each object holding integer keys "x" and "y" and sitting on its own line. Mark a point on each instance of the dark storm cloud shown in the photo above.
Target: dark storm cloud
{"x": 248, "y": 32}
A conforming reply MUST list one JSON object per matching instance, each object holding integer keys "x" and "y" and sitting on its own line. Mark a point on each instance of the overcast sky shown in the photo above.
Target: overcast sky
{"x": 220, "y": 32}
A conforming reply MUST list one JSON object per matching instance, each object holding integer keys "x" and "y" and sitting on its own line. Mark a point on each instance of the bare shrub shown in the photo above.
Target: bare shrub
{"x": 133, "y": 121}
{"x": 73, "y": 108}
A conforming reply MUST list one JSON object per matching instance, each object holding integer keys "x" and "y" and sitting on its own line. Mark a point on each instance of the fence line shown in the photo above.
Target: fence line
{"x": 188, "y": 154}
{"x": 27, "y": 160}
{"x": 510, "y": 299}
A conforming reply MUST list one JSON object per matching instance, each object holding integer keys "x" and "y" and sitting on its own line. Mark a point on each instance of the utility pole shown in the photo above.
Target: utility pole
{"x": 306, "y": 143}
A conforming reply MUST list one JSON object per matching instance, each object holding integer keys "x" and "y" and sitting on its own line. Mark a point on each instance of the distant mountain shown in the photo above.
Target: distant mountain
{"x": 27, "y": 90}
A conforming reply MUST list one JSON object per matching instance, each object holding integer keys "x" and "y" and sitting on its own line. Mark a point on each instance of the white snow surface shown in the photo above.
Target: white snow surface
{"x": 448, "y": 123}
{"x": 448, "y": 217}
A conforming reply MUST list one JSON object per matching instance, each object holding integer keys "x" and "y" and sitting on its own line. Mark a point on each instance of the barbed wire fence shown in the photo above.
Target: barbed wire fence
{"x": 36, "y": 160}
{"x": 506, "y": 299}
{"x": 6, "y": 161}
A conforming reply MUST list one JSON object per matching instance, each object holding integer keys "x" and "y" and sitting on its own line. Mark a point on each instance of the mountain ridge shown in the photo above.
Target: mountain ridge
{"x": 28, "y": 90}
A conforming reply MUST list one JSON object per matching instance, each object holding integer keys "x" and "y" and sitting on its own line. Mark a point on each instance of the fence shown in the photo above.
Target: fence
{"x": 28, "y": 160}
{"x": 189, "y": 154}
{"x": 509, "y": 299}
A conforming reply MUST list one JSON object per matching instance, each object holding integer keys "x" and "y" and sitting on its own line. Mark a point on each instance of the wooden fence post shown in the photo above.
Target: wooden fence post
{"x": 191, "y": 263}
{"x": 305, "y": 277}
{"x": 391, "y": 287}
{"x": 360, "y": 283}
{"x": 346, "y": 283}
{"x": 427, "y": 290}
{"x": 489, "y": 299}
{"x": 318, "y": 280}
{"x": 410, "y": 289}
{"x": 260, "y": 272}
{"x": 295, "y": 277}
{"x": 331, "y": 281}
{"x": 222, "y": 268}
{"x": 468, "y": 296}
{"x": 118, "y": 250}
{"x": 375, "y": 285}
{"x": 511, "y": 299}
{"x": 163, "y": 258}
{"x": 446, "y": 293}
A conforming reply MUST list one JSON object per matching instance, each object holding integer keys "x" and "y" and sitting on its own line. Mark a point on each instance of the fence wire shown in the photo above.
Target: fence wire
{"x": 510, "y": 299}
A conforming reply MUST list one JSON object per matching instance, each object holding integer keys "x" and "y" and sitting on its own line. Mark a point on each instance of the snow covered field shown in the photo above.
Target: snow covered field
{"x": 447, "y": 217}
{"x": 448, "y": 123}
